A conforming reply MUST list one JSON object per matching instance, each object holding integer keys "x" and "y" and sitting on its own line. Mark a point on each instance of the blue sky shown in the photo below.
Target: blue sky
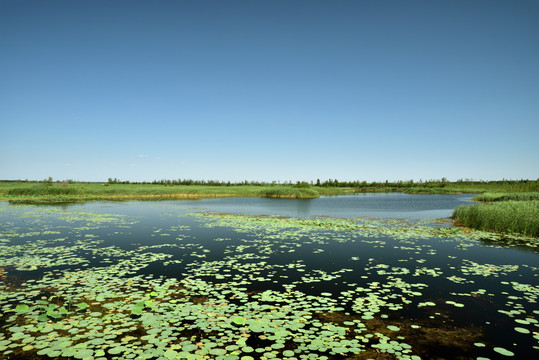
{"x": 269, "y": 90}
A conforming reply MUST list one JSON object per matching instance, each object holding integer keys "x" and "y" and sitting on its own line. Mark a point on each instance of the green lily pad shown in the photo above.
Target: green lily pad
{"x": 82, "y": 305}
{"x": 239, "y": 320}
{"x": 22, "y": 308}
{"x": 503, "y": 351}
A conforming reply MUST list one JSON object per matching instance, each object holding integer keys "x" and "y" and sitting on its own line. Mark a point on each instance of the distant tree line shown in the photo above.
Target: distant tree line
{"x": 512, "y": 185}
{"x": 432, "y": 183}
{"x": 48, "y": 181}
{"x": 188, "y": 182}
{"x": 528, "y": 185}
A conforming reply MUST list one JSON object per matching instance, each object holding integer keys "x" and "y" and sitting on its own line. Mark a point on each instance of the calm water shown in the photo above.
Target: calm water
{"x": 296, "y": 288}
{"x": 380, "y": 205}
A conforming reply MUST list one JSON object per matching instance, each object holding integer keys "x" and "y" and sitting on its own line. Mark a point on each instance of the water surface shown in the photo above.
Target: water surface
{"x": 207, "y": 279}
{"x": 380, "y": 205}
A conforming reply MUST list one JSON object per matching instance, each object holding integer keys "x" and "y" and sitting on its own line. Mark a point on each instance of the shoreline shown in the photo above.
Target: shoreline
{"x": 285, "y": 193}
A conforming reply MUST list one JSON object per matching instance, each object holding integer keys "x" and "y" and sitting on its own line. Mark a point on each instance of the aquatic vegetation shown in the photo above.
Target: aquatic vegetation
{"x": 493, "y": 196}
{"x": 43, "y": 190}
{"x": 521, "y": 217}
{"x": 222, "y": 286}
{"x": 31, "y": 193}
{"x": 288, "y": 192}
{"x": 437, "y": 190}
{"x": 365, "y": 227}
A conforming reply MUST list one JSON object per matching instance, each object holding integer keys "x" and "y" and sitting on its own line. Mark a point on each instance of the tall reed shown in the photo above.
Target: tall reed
{"x": 288, "y": 192}
{"x": 506, "y": 216}
{"x": 44, "y": 190}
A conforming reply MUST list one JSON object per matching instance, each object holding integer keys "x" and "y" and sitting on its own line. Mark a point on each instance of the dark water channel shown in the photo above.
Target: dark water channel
{"x": 334, "y": 278}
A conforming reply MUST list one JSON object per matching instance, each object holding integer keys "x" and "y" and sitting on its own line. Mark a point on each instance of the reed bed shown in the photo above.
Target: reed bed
{"x": 41, "y": 190}
{"x": 491, "y": 197}
{"x": 58, "y": 193}
{"x": 288, "y": 192}
{"x": 436, "y": 190}
{"x": 508, "y": 216}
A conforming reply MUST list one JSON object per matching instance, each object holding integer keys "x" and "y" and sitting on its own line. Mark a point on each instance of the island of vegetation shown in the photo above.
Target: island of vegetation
{"x": 506, "y": 206}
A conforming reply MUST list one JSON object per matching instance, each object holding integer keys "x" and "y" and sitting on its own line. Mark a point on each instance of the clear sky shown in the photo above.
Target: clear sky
{"x": 269, "y": 90}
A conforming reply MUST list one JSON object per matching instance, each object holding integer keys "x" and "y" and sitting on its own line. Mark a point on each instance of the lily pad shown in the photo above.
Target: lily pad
{"x": 503, "y": 351}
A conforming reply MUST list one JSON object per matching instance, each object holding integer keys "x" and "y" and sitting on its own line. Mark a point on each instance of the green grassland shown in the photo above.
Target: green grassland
{"x": 22, "y": 192}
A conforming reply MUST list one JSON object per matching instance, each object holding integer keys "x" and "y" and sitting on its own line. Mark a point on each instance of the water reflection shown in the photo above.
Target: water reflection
{"x": 380, "y": 205}
{"x": 304, "y": 207}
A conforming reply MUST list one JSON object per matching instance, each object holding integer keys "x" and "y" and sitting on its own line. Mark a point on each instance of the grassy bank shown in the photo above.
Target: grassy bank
{"x": 508, "y": 216}
{"x": 57, "y": 192}
{"x": 438, "y": 190}
{"x": 72, "y": 192}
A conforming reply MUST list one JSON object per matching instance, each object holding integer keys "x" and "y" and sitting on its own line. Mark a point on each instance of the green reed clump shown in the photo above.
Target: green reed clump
{"x": 433, "y": 190}
{"x": 288, "y": 192}
{"x": 506, "y": 216}
{"x": 40, "y": 190}
{"x": 490, "y": 196}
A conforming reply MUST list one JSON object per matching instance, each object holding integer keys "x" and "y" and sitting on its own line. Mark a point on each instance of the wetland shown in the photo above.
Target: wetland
{"x": 365, "y": 276}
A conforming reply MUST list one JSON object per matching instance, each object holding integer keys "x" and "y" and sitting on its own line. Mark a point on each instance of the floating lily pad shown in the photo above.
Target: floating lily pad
{"x": 503, "y": 351}
{"x": 288, "y": 353}
{"x": 239, "y": 320}
{"x": 22, "y": 308}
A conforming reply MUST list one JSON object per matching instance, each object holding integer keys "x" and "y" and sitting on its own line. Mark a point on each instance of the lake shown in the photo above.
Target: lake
{"x": 357, "y": 276}
{"x": 380, "y": 205}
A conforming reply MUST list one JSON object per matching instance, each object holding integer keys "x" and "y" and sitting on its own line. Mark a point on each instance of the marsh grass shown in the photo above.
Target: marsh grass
{"x": 288, "y": 192}
{"x": 520, "y": 217}
{"x": 436, "y": 190}
{"x": 43, "y": 190}
{"x": 34, "y": 192}
{"x": 76, "y": 192}
{"x": 492, "y": 196}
